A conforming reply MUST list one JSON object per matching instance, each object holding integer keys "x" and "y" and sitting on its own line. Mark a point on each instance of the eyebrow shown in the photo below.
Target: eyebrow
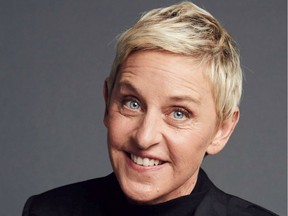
{"x": 185, "y": 98}
{"x": 129, "y": 86}
{"x": 181, "y": 98}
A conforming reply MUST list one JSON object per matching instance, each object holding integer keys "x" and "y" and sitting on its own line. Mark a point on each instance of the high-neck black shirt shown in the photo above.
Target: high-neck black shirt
{"x": 104, "y": 197}
{"x": 185, "y": 205}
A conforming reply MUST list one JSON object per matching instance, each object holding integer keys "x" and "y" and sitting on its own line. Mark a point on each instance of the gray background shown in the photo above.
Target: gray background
{"x": 54, "y": 56}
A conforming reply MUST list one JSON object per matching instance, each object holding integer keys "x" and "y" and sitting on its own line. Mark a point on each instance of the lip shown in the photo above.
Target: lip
{"x": 145, "y": 156}
{"x": 140, "y": 168}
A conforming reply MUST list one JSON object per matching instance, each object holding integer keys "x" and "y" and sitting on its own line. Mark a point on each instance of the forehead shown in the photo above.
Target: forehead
{"x": 168, "y": 66}
{"x": 164, "y": 74}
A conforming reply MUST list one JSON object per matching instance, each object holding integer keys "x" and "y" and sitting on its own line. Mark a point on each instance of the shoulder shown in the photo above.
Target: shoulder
{"x": 71, "y": 198}
{"x": 93, "y": 188}
{"x": 221, "y": 203}
{"x": 238, "y": 206}
{"x": 218, "y": 203}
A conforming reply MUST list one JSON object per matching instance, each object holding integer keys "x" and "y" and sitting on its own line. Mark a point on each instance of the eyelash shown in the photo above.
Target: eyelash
{"x": 128, "y": 99}
{"x": 186, "y": 113}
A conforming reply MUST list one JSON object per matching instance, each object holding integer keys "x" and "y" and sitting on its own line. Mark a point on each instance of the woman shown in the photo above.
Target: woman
{"x": 172, "y": 97}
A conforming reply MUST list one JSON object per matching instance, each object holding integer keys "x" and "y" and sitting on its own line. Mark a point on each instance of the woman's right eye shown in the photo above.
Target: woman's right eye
{"x": 132, "y": 104}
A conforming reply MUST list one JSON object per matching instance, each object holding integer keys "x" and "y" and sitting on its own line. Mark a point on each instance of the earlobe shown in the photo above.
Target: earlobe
{"x": 223, "y": 134}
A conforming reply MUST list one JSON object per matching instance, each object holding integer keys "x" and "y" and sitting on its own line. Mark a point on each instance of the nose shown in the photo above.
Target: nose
{"x": 148, "y": 133}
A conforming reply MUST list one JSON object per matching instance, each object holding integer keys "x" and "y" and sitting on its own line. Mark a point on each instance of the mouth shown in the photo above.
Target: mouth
{"x": 146, "y": 162}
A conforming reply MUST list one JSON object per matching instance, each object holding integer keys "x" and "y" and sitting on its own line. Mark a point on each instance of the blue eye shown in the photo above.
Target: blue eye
{"x": 133, "y": 105}
{"x": 178, "y": 115}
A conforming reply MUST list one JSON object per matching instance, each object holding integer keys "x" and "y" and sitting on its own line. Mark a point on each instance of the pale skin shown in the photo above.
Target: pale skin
{"x": 161, "y": 109}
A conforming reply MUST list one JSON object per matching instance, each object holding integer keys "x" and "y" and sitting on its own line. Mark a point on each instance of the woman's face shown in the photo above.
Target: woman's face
{"x": 161, "y": 121}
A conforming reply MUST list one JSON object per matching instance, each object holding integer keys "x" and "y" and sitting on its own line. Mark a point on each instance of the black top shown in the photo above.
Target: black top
{"x": 185, "y": 205}
{"x": 103, "y": 196}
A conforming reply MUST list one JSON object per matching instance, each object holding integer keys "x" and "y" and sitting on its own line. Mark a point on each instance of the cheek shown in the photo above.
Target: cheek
{"x": 116, "y": 139}
{"x": 118, "y": 129}
{"x": 189, "y": 147}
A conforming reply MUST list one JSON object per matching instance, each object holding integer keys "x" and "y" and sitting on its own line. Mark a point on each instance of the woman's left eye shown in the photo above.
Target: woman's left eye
{"x": 180, "y": 114}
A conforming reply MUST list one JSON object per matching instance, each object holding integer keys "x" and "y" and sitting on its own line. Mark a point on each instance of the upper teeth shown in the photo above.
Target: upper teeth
{"x": 144, "y": 161}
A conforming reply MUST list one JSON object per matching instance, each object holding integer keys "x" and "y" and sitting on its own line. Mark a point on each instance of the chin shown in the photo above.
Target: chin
{"x": 140, "y": 193}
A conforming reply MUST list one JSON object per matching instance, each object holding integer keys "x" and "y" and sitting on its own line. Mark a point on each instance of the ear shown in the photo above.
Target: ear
{"x": 106, "y": 98}
{"x": 223, "y": 133}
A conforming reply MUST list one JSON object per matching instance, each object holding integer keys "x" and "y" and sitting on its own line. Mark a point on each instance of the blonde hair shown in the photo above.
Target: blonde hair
{"x": 188, "y": 30}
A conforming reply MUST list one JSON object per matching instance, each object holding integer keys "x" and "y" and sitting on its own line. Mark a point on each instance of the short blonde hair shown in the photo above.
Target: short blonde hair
{"x": 188, "y": 30}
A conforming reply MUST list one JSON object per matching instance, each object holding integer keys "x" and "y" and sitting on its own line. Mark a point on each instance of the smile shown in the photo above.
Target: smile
{"x": 145, "y": 161}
